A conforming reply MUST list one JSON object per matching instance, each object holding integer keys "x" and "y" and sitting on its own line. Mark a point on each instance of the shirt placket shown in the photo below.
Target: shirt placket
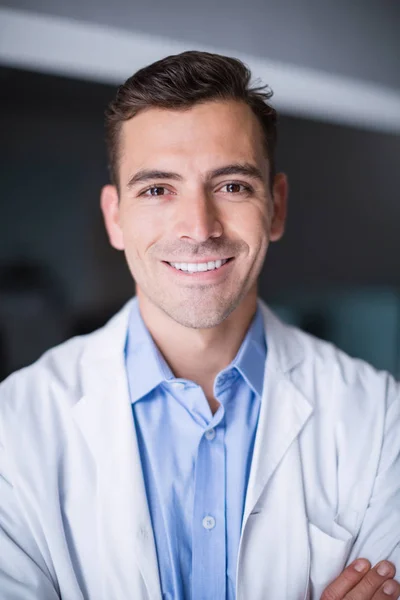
{"x": 209, "y": 520}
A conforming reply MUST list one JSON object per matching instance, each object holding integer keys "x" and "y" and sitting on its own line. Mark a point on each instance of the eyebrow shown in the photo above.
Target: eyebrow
{"x": 147, "y": 175}
{"x": 245, "y": 169}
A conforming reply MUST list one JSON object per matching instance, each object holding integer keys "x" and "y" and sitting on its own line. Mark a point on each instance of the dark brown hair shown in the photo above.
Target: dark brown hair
{"x": 180, "y": 82}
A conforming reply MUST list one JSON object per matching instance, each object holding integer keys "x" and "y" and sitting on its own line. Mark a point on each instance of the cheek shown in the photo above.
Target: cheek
{"x": 252, "y": 226}
{"x": 141, "y": 229}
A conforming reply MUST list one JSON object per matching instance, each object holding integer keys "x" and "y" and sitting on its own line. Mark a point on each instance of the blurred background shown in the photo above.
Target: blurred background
{"x": 335, "y": 69}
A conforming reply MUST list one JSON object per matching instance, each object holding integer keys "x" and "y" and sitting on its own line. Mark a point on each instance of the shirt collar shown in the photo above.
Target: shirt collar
{"x": 250, "y": 359}
{"x": 144, "y": 358}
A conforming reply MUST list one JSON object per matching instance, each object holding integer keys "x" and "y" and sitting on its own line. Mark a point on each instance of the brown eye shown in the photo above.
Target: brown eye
{"x": 233, "y": 188}
{"x": 157, "y": 191}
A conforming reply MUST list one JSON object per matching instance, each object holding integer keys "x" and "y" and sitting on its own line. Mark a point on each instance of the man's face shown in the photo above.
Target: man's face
{"x": 195, "y": 191}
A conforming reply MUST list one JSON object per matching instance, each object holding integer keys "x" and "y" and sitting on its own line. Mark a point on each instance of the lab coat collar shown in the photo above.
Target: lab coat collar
{"x": 286, "y": 351}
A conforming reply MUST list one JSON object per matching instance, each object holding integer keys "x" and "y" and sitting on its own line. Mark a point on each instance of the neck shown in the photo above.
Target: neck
{"x": 198, "y": 354}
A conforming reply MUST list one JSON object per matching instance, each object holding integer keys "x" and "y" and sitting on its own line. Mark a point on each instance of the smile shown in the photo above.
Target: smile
{"x": 199, "y": 267}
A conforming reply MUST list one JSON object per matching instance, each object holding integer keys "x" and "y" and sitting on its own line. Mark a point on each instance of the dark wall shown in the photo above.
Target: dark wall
{"x": 344, "y": 210}
{"x": 53, "y": 164}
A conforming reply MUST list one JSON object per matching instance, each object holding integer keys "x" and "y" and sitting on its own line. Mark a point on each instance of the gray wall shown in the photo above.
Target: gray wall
{"x": 357, "y": 38}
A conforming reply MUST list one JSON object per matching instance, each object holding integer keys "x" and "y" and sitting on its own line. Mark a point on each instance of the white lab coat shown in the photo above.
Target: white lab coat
{"x": 324, "y": 486}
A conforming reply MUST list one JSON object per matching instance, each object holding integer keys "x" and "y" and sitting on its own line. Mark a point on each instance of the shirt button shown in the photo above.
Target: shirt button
{"x": 208, "y": 522}
{"x": 210, "y": 434}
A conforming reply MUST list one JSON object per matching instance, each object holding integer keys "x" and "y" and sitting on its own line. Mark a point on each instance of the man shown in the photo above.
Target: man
{"x": 197, "y": 447}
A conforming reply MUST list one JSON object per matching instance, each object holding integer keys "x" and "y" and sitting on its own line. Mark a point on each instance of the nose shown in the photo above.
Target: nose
{"x": 198, "y": 218}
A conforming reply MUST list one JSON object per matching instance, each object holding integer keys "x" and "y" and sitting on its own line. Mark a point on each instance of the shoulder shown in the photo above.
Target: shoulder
{"x": 325, "y": 374}
{"x": 342, "y": 373}
{"x": 55, "y": 379}
{"x": 58, "y": 366}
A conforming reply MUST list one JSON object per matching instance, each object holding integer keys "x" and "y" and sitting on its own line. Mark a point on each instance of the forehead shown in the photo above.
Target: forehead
{"x": 197, "y": 138}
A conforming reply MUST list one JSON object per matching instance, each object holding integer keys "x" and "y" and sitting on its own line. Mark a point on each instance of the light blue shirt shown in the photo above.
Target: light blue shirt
{"x": 196, "y": 465}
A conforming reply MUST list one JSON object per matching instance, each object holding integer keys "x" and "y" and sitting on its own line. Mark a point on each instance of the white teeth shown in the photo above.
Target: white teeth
{"x": 195, "y": 267}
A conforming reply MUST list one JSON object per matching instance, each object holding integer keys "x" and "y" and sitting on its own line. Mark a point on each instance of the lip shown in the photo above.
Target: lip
{"x": 213, "y": 275}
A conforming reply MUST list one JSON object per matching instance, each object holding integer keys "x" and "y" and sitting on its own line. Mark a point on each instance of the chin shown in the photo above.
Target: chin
{"x": 202, "y": 316}
{"x": 199, "y": 321}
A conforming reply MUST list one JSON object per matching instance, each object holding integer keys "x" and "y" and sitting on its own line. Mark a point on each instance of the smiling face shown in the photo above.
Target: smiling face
{"x": 194, "y": 190}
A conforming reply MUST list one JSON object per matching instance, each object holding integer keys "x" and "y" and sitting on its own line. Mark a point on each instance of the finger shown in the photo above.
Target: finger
{"x": 373, "y": 581}
{"x": 347, "y": 580}
{"x": 390, "y": 590}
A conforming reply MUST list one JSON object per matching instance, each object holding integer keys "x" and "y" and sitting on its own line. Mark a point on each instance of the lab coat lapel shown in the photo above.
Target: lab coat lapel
{"x": 273, "y": 559}
{"x": 284, "y": 410}
{"x": 105, "y": 419}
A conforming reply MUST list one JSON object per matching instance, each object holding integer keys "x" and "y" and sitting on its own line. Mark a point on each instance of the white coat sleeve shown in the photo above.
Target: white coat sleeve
{"x": 379, "y": 536}
{"x": 23, "y": 572}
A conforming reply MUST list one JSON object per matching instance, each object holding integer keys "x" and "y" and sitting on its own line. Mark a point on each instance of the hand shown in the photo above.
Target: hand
{"x": 359, "y": 582}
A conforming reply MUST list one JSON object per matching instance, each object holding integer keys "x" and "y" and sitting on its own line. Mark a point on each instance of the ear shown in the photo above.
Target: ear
{"x": 110, "y": 208}
{"x": 279, "y": 210}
